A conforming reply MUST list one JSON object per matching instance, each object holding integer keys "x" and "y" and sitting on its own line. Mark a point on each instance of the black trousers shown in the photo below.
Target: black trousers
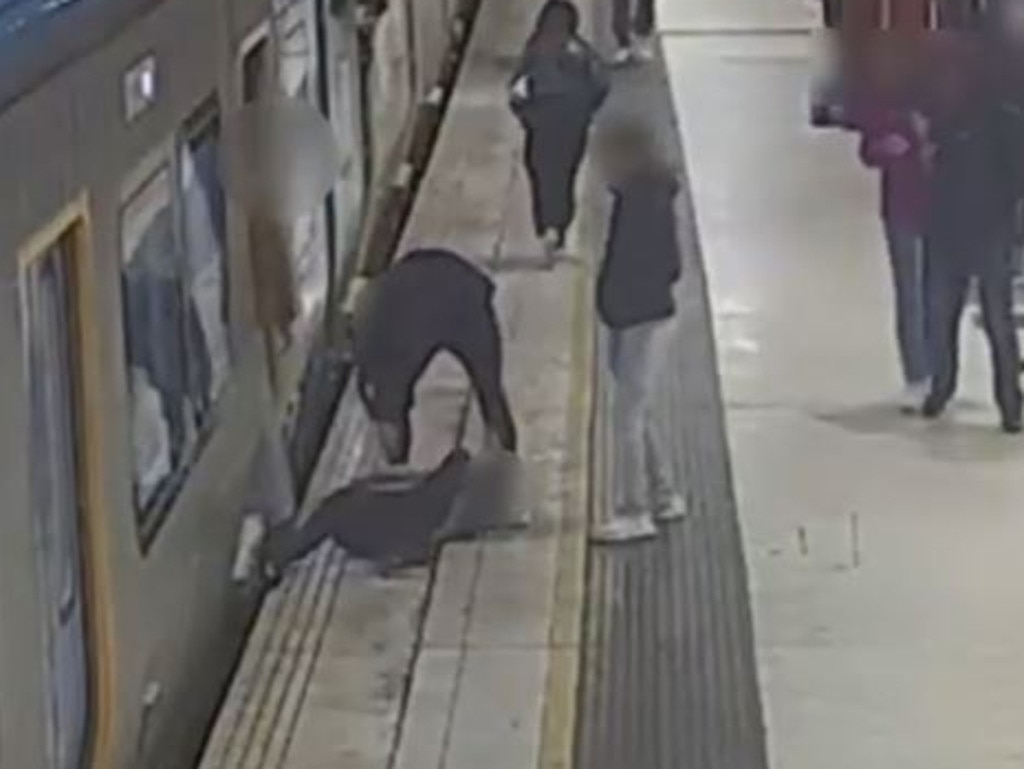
{"x": 632, "y": 17}
{"x": 832, "y": 13}
{"x": 473, "y": 337}
{"x": 553, "y": 157}
{"x": 375, "y": 519}
{"x": 949, "y": 279}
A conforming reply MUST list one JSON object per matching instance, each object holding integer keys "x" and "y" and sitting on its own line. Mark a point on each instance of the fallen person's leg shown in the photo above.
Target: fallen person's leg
{"x": 386, "y": 519}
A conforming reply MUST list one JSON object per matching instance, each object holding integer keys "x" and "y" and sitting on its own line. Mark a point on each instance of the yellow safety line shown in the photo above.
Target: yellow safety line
{"x": 558, "y": 725}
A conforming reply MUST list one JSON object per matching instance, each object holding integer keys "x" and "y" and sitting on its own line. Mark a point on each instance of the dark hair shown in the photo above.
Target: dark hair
{"x": 558, "y": 11}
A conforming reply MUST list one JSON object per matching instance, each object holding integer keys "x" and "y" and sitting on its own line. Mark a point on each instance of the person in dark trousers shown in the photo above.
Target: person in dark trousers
{"x": 976, "y": 192}
{"x": 430, "y": 301}
{"x": 557, "y": 89}
{"x": 633, "y": 27}
{"x": 641, "y": 265}
{"x": 394, "y": 521}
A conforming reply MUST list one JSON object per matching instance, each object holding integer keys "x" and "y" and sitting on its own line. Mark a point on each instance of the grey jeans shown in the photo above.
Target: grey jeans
{"x": 642, "y": 480}
{"x": 906, "y": 251}
{"x": 632, "y": 17}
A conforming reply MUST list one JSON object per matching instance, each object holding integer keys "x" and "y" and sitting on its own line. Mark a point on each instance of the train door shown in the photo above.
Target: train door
{"x": 347, "y": 120}
{"x": 49, "y": 329}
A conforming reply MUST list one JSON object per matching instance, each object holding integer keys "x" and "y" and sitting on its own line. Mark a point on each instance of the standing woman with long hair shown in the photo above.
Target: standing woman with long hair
{"x": 559, "y": 86}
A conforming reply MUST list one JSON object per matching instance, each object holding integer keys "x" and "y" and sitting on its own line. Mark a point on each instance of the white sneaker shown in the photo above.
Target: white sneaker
{"x": 643, "y": 49}
{"x": 912, "y": 399}
{"x": 672, "y": 509}
{"x": 622, "y": 530}
{"x": 550, "y": 243}
{"x": 622, "y": 57}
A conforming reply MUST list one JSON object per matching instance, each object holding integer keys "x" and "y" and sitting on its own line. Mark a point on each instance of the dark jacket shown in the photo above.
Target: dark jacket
{"x": 564, "y": 89}
{"x": 642, "y": 258}
{"x": 976, "y": 173}
{"x": 420, "y": 305}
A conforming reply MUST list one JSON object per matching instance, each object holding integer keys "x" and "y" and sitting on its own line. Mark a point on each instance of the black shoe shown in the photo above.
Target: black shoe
{"x": 1013, "y": 425}
{"x": 933, "y": 408}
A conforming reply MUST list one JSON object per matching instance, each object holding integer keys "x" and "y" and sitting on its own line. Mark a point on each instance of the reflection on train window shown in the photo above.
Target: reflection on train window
{"x": 204, "y": 236}
{"x": 155, "y": 321}
{"x": 176, "y": 314}
{"x": 308, "y": 236}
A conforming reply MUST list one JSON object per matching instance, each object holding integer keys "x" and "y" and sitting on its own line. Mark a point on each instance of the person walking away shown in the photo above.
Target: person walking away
{"x": 894, "y": 141}
{"x": 976, "y": 192}
{"x": 642, "y": 263}
{"x": 633, "y": 27}
{"x": 557, "y": 89}
{"x": 430, "y": 301}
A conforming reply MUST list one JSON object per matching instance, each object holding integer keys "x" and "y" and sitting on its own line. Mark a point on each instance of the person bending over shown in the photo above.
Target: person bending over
{"x": 431, "y": 301}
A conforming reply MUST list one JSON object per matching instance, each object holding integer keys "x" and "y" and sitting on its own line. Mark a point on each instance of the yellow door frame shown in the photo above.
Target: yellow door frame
{"x": 73, "y": 224}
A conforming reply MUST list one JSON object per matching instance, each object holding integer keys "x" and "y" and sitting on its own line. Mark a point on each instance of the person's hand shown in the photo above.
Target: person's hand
{"x": 920, "y": 124}
{"x": 521, "y": 89}
{"x": 894, "y": 145}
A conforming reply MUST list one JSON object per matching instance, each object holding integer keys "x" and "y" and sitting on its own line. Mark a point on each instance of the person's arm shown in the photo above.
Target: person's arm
{"x": 1010, "y": 155}
{"x": 520, "y": 87}
{"x": 600, "y": 79}
{"x": 675, "y": 266}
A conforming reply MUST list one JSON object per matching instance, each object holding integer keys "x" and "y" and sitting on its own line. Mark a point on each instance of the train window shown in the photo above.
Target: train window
{"x": 203, "y": 217}
{"x": 154, "y": 336}
{"x": 176, "y": 304}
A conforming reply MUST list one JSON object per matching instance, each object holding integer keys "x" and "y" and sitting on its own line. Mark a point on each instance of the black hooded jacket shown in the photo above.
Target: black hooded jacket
{"x": 564, "y": 88}
{"x": 423, "y": 303}
{"x": 642, "y": 259}
{"x": 976, "y": 173}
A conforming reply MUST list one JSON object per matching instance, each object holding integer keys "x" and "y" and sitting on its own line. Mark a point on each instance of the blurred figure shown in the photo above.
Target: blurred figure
{"x": 642, "y": 263}
{"x": 559, "y": 86}
{"x": 976, "y": 192}
{"x": 1005, "y": 47}
{"x": 430, "y": 301}
{"x": 633, "y": 27}
{"x": 894, "y": 139}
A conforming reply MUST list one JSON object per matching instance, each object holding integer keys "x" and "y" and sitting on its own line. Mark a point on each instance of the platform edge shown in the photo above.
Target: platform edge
{"x": 558, "y": 719}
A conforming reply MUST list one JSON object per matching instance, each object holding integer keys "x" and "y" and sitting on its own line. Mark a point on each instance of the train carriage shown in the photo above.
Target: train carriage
{"x": 143, "y": 401}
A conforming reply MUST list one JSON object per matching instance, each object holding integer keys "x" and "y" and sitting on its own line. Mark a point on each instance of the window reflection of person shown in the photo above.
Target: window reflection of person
{"x": 164, "y": 330}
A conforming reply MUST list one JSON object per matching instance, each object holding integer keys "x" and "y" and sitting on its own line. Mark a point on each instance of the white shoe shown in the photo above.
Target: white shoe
{"x": 622, "y": 57}
{"x": 550, "y": 243}
{"x": 912, "y": 399}
{"x": 672, "y": 509}
{"x": 643, "y": 49}
{"x": 622, "y": 530}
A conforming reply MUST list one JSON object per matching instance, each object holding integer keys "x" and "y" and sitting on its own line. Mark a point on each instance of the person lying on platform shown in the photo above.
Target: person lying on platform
{"x": 393, "y": 520}
{"x": 430, "y": 301}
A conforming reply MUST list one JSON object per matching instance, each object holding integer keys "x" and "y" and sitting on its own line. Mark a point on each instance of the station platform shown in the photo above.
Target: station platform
{"x": 846, "y": 590}
{"x": 888, "y": 597}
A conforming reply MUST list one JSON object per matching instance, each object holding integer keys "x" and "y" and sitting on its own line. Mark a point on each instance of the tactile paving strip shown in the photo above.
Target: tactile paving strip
{"x": 669, "y": 678}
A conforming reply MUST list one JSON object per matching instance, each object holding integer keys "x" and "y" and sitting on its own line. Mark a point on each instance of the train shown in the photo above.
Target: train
{"x": 150, "y": 410}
